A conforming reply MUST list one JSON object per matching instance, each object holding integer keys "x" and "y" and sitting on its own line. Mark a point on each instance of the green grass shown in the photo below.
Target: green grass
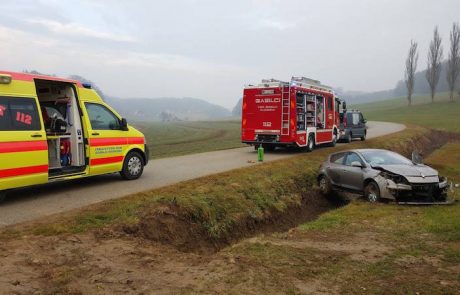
{"x": 182, "y": 138}
{"x": 441, "y": 115}
{"x": 216, "y": 203}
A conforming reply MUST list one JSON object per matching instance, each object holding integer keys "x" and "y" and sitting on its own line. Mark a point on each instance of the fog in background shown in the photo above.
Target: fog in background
{"x": 210, "y": 49}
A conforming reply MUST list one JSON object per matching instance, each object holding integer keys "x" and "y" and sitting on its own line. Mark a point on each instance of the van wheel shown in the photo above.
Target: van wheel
{"x": 133, "y": 166}
{"x": 363, "y": 138}
{"x": 349, "y": 138}
{"x": 372, "y": 192}
{"x": 311, "y": 143}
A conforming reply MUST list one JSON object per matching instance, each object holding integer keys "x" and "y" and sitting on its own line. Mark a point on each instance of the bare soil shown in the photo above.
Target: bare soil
{"x": 167, "y": 253}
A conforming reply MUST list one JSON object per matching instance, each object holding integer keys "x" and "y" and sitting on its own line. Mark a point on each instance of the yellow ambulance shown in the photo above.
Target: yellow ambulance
{"x": 58, "y": 129}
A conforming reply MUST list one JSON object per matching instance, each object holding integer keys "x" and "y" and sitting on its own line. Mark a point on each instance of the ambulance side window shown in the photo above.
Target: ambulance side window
{"x": 102, "y": 118}
{"x": 18, "y": 114}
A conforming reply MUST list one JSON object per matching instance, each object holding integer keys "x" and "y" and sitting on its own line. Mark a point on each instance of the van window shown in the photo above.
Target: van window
{"x": 18, "y": 114}
{"x": 102, "y": 118}
{"x": 353, "y": 118}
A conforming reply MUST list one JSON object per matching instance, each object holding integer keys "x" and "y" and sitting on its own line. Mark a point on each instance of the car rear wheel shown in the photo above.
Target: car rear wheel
{"x": 310, "y": 143}
{"x": 324, "y": 185}
{"x": 133, "y": 166}
{"x": 363, "y": 138}
{"x": 372, "y": 192}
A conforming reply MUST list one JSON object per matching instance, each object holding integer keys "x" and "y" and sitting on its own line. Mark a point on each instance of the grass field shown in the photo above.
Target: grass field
{"x": 441, "y": 114}
{"x": 182, "y": 138}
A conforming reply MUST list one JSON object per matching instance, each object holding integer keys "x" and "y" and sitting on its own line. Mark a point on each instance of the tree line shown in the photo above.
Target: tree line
{"x": 434, "y": 64}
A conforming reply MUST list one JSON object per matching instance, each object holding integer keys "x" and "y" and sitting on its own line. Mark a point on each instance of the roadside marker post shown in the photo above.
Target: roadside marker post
{"x": 260, "y": 154}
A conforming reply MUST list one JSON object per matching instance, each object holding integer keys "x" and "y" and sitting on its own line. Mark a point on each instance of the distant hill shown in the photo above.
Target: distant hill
{"x": 236, "y": 112}
{"x": 154, "y": 109}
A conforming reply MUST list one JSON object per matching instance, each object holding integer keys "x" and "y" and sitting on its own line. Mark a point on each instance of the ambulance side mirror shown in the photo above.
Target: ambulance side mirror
{"x": 124, "y": 124}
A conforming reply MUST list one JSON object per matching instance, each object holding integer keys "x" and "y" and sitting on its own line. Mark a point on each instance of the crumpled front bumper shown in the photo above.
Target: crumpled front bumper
{"x": 391, "y": 190}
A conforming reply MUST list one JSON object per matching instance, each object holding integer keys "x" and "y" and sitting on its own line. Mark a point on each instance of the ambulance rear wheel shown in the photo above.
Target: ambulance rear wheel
{"x": 2, "y": 196}
{"x": 311, "y": 143}
{"x": 133, "y": 166}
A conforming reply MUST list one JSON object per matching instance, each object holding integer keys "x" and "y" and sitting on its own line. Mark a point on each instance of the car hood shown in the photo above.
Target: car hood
{"x": 410, "y": 170}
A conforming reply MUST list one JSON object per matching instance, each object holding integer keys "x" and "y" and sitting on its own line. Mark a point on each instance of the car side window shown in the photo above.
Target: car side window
{"x": 352, "y": 157}
{"x": 18, "y": 114}
{"x": 337, "y": 158}
{"x": 101, "y": 118}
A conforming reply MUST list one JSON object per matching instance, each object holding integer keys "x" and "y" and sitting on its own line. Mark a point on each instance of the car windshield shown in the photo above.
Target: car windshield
{"x": 385, "y": 158}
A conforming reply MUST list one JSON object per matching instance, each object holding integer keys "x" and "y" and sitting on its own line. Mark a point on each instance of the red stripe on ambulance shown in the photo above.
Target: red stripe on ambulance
{"x": 108, "y": 160}
{"x": 23, "y": 171}
{"x": 23, "y": 146}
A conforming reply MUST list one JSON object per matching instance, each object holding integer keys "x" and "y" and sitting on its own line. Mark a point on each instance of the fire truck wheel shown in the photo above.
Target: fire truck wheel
{"x": 311, "y": 143}
{"x": 334, "y": 138}
{"x": 133, "y": 166}
{"x": 363, "y": 138}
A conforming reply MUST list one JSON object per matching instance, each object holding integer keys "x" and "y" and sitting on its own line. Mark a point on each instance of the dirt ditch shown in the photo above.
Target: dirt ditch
{"x": 170, "y": 226}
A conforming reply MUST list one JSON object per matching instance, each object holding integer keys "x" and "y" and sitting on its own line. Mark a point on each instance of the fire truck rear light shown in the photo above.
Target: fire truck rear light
{"x": 5, "y": 79}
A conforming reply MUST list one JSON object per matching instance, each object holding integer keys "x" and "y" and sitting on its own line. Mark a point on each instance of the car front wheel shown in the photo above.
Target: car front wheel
{"x": 372, "y": 192}
{"x": 133, "y": 166}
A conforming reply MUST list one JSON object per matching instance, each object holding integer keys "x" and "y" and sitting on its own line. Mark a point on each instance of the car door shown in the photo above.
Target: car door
{"x": 106, "y": 139}
{"x": 352, "y": 177}
{"x": 23, "y": 146}
{"x": 335, "y": 167}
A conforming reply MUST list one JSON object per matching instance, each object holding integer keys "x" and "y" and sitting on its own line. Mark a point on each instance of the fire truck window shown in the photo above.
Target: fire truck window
{"x": 329, "y": 103}
{"x": 18, "y": 114}
{"x": 102, "y": 118}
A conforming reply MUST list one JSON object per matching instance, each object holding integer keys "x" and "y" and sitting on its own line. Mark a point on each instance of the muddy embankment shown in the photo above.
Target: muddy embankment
{"x": 173, "y": 225}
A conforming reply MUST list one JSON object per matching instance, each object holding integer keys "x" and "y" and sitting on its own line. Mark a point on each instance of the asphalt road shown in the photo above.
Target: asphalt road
{"x": 39, "y": 201}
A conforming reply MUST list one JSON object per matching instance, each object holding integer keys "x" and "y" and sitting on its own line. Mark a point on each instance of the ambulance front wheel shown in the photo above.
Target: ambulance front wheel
{"x": 133, "y": 166}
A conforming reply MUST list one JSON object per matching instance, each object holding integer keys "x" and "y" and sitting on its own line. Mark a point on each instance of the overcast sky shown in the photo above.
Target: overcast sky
{"x": 211, "y": 49}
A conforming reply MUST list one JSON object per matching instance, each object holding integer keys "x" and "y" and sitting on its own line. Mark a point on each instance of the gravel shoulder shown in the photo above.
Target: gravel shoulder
{"x": 34, "y": 202}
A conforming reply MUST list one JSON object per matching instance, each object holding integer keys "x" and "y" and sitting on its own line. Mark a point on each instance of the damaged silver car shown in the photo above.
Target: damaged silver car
{"x": 382, "y": 174}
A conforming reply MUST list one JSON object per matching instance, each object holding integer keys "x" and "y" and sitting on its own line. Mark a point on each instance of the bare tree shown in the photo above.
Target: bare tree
{"x": 453, "y": 61}
{"x": 411, "y": 67}
{"x": 435, "y": 55}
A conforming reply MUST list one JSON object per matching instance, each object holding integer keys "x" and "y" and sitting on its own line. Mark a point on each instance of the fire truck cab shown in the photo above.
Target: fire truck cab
{"x": 300, "y": 113}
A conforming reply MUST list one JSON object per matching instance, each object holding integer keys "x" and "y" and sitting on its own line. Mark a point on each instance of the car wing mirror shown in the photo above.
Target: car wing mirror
{"x": 417, "y": 158}
{"x": 124, "y": 124}
{"x": 356, "y": 164}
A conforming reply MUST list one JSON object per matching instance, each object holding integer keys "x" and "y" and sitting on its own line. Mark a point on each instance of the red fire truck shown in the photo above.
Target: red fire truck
{"x": 299, "y": 113}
